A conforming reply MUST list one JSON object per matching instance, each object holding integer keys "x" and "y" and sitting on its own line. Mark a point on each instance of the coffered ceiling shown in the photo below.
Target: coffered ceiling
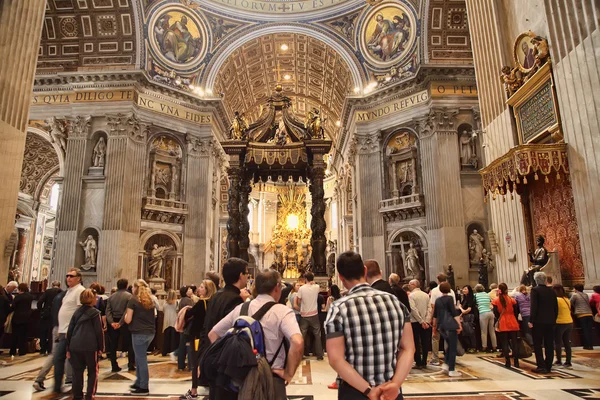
{"x": 312, "y": 75}
{"x": 87, "y": 33}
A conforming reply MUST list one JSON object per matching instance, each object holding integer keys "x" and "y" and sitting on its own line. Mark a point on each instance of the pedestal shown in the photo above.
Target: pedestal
{"x": 96, "y": 171}
{"x": 323, "y": 282}
{"x": 159, "y": 285}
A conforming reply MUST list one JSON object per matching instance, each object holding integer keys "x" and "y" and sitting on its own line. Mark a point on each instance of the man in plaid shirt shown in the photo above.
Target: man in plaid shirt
{"x": 369, "y": 337}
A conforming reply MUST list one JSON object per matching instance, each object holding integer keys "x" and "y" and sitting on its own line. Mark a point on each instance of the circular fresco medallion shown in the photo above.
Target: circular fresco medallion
{"x": 178, "y": 38}
{"x": 388, "y": 34}
{"x": 524, "y": 51}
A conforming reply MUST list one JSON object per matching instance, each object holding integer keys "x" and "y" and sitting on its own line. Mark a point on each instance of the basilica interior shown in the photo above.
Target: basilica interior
{"x": 154, "y": 139}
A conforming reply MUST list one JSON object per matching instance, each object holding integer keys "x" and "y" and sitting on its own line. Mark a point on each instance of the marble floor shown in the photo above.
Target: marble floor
{"x": 483, "y": 377}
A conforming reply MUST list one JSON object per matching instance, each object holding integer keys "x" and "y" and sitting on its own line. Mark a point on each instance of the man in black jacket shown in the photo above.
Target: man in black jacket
{"x": 544, "y": 310}
{"x": 116, "y": 306}
{"x": 235, "y": 275}
{"x": 44, "y": 305}
{"x": 374, "y": 277}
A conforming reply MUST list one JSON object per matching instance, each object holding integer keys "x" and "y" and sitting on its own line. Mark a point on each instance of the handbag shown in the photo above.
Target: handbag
{"x": 524, "y": 349}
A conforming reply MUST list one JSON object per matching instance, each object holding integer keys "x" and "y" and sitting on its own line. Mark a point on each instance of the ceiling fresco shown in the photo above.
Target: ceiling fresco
{"x": 312, "y": 75}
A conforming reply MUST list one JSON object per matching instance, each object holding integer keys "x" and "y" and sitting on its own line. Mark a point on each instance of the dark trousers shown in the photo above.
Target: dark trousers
{"x": 184, "y": 350}
{"x": 45, "y": 336}
{"x": 562, "y": 337}
{"x": 80, "y": 360}
{"x": 422, "y": 338}
{"x": 450, "y": 357}
{"x": 505, "y": 337}
{"x": 586, "y": 324}
{"x": 19, "y": 339}
{"x": 60, "y": 356}
{"x": 543, "y": 334}
{"x": 125, "y": 336}
{"x": 347, "y": 392}
{"x": 315, "y": 326}
{"x": 194, "y": 361}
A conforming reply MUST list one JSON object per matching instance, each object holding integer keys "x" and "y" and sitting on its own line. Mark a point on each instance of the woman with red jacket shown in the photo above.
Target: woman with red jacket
{"x": 508, "y": 326}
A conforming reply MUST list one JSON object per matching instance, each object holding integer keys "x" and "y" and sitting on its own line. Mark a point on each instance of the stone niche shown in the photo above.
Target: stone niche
{"x": 161, "y": 262}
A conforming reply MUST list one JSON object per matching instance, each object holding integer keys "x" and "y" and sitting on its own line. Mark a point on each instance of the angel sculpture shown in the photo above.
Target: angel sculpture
{"x": 540, "y": 50}
{"x": 314, "y": 125}
{"x": 239, "y": 127}
{"x": 58, "y": 133}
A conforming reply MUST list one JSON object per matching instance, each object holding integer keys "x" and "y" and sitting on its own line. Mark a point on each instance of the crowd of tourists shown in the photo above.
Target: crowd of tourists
{"x": 212, "y": 330}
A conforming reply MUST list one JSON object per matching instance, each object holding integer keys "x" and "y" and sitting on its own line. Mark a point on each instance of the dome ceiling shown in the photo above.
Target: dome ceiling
{"x": 312, "y": 75}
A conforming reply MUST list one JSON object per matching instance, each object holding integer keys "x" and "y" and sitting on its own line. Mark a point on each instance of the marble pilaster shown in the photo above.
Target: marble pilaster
{"x": 447, "y": 241}
{"x": 368, "y": 188}
{"x": 20, "y": 30}
{"x": 70, "y": 207}
{"x": 198, "y": 225}
{"x": 124, "y": 171}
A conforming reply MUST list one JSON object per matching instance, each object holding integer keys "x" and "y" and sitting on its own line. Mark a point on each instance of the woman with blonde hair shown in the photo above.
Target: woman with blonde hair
{"x": 197, "y": 334}
{"x": 170, "y": 335}
{"x": 140, "y": 318}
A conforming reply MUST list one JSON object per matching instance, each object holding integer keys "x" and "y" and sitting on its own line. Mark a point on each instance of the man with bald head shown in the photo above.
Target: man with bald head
{"x": 420, "y": 318}
{"x": 394, "y": 281}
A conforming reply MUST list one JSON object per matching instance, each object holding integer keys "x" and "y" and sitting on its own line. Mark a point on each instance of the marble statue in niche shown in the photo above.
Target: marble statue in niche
{"x": 99, "y": 153}
{"x": 157, "y": 258}
{"x": 475, "y": 247}
{"x": 90, "y": 248}
{"x": 468, "y": 153}
{"x": 413, "y": 268}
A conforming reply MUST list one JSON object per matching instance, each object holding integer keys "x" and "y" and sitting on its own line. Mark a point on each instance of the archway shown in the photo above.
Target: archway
{"x": 406, "y": 244}
{"x": 160, "y": 260}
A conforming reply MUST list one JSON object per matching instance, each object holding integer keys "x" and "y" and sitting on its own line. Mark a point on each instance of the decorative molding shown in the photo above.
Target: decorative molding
{"x": 199, "y": 147}
{"x": 125, "y": 125}
{"x": 367, "y": 144}
{"x": 80, "y": 126}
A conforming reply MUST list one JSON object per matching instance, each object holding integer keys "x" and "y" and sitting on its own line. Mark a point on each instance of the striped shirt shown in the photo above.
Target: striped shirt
{"x": 371, "y": 322}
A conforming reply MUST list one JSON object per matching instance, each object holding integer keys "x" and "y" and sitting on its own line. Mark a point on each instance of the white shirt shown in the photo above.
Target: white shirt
{"x": 436, "y": 294}
{"x": 70, "y": 304}
{"x": 308, "y": 296}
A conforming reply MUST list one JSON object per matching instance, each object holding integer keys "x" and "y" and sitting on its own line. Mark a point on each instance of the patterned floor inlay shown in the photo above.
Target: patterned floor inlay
{"x": 114, "y": 396}
{"x": 303, "y": 374}
{"x": 584, "y": 393}
{"x": 436, "y": 374}
{"x": 527, "y": 367}
{"x": 508, "y": 395}
{"x": 587, "y": 358}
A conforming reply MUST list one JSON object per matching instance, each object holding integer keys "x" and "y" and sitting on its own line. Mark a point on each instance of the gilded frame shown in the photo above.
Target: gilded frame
{"x": 529, "y": 89}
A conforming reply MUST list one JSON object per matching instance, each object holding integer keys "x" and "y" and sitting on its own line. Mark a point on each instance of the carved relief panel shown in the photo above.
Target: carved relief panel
{"x": 402, "y": 164}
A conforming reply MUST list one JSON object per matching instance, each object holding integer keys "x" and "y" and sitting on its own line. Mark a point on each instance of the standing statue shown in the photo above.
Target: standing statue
{"x": 413, "y": 268}
{"x": 539, "y": 258}
{"x": 99, "y": 153}
{"x": 157, "y": 258}
{"x": 90, "y": 249}
{"x": 475, "y": 246}
{"x": 239, "y": 127}
{"x": 58, "y": 133}
{"x": 450, "y": 276}
{"x": 465, "y": 148}
{"x": 314, "y": 125}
